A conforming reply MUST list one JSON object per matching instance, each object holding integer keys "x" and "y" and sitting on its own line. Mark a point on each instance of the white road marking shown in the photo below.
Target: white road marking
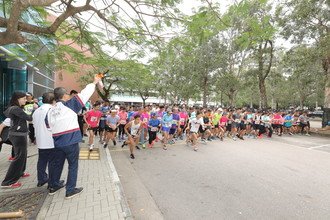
{"x": 320, "y": 146}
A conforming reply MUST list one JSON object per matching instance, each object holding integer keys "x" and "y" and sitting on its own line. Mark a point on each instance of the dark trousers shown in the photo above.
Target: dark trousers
{"x": 152, "y": 136}
{"x": 45, "y": 155}
{"x": 18, "y": 165}
{"x": 31, "y": 133}
{"x": 121, "y": 130}
{"x": 71, "y": 153}
{"x": 81, "y": 124}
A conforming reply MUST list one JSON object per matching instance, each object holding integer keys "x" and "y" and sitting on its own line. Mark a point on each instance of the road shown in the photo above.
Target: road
{"x": 279, "y": 178}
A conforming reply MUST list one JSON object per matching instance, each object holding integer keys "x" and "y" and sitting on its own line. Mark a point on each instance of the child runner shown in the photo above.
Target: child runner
{"x": 92, "y": 119}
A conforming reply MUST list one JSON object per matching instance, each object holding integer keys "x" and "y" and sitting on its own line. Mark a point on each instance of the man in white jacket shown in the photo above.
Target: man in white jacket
{"x": 44, "y": 140}
{"x": 63, "y": 123}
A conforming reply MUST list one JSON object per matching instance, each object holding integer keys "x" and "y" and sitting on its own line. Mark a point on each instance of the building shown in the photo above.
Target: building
{"x": 18, "y": 74}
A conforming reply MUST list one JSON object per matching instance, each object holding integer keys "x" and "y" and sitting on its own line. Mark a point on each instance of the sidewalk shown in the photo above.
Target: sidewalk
{"x": 103, "y": 197}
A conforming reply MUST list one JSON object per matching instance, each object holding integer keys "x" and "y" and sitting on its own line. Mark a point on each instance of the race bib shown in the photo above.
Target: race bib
{"x": 154, "y": 129}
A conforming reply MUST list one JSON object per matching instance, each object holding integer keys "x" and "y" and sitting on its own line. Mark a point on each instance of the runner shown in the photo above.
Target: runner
{"x": 193, "y": 128}
{"x": 166, "y": 126}
{"x": 105, "y": 109}
{"x": 92, "y": 119}
{"x": 133, "y": 130}
{"x": 153, "y": 127}
{"x": 123, "y": 116}
{"x": 112, "y": 123}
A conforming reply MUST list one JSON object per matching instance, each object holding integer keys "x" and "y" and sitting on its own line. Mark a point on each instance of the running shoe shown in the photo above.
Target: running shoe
{"x": 132, "y": 156}
{"x": 105, "y": 145}
{"x": 12, "y": 186}
{"x": 114, "y": 142}
{"x": 137, "y": 147}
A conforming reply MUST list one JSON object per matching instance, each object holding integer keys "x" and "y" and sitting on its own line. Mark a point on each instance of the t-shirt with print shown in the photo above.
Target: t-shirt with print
{"x": 92, "y": 118}
{"x": 195, "y": 124}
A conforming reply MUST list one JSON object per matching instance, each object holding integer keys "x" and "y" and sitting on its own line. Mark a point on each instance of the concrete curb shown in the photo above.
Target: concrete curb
{"x": 119, "y": 188}
{"x": 320, "y": 134}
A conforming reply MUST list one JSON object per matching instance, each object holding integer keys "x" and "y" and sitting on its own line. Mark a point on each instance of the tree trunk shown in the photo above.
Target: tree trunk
{"x": 326, "y": 106}
{"x": 205, "y": 91}
{"x": 263, "y": 93}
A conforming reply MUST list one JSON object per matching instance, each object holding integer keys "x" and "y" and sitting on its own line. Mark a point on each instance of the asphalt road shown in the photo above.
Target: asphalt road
{"x": 284, "y": 177}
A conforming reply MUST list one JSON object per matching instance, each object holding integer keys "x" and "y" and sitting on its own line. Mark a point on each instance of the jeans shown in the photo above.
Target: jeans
{"x": 71, "y": 154}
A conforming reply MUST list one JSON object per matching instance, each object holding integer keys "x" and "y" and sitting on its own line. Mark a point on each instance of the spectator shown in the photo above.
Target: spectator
{"x": 18, "y": 137}
{"x": 45, "y": 141}
{"x": 29, "y": 107}
{"x": 63, "y": 122}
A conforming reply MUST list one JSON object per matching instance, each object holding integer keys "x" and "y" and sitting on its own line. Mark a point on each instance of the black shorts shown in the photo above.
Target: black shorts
{"x": 242, "y": 126}
{"x": 108, "y": 129}
{"x": 172, "y": 131}
{"x": 228, "y": 127}
{"x": 95, "y": 129}
{"x": 256, "y": 126}
{"x": 216, "y": 126}
{"x": 182, "y": 127}
{"x": 201, "y": 130}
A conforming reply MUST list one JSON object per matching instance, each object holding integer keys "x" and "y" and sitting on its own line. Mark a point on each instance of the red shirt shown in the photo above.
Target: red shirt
{"x": 93, "y": 117}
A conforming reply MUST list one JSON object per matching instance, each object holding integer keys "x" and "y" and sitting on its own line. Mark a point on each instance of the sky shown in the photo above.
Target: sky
{"x": 187, "y": 7}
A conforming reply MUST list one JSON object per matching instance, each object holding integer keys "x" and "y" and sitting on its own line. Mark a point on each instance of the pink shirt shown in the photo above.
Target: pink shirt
{"x": 277, "y": 119}
{"x": 223, "y": 120}
{"x": 145, "y": 119}
{"x": 123, "y": 117}
{"x": 93, "y": 117}
{"x": 183, "y": 118}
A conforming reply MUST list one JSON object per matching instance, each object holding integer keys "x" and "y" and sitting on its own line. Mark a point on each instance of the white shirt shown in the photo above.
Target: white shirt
{"x": 44, "y": 136}
{"x": 195, "y": 124}
{"x": 6, "y": 122}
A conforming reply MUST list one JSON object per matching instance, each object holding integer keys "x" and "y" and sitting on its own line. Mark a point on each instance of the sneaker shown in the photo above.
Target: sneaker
{"x": 195, "y": 149}
{"x": 308, "y": 134}
{"x": 11, "y": 158}
{"x": 132, "y": 156}
{"x": 52, "y": 191}
{"x": 74, "y": 193}
{"x": 12, "y": 186}
{"x": 234, "y": 138}
{"x": 290, "y": 133}
{"x": 123, "y": 144}
{"x": 143, "y": 146}
{"x": 114, "y": 142}
{"x": 25, "y": 175}
{"x": 221, "y": 138}
{"x": 164, "y": 148}
{"x": 137, "y": 147}
{"x": 105, "y": 145}
{"x": 43, "y": 183}
{"x": 91, "y": 147}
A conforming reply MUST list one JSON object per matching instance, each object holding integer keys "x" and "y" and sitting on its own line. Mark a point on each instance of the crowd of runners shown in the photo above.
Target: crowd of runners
{"x": 141, "y": 127}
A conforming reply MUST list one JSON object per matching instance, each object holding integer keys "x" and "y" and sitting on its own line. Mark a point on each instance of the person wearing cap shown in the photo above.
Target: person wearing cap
{"x": 166, "y": 126}
{"x": 29, "y": 107}
{"x": 112, "y": 123}
{"x": 153, "y": 127}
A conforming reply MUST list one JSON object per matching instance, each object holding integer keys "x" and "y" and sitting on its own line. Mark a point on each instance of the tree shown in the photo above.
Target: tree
{"x": 256, "y": 33}
{"x": 308, "y": 20}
